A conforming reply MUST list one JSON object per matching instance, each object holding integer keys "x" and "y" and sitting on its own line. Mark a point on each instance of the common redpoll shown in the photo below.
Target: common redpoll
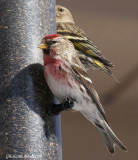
{"x": 69, "y": 82}
{"x": 89, "y": 54}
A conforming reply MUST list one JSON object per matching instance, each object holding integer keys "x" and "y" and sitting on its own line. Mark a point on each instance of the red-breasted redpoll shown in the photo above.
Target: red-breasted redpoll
{"x": 67, "y": 79}
{"x": 88, "y": 53}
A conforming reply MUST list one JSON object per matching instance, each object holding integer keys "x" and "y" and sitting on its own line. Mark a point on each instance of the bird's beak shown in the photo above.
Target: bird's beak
{"x": 43, "y": 46}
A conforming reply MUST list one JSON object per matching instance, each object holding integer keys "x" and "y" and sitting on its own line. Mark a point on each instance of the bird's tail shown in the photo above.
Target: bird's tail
{"x": 108, "y": 135}
{"x": 101, "y": 66}
{"x": 110, "y": 138}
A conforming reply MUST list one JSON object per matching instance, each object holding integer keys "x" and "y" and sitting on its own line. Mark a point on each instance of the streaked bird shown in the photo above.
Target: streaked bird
{"x": 67, "y": 79}
{"x": 89, "y": 54}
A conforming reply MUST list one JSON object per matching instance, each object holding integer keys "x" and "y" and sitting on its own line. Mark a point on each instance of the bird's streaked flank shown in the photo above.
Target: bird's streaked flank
{"x": 89, "y": 54}
{"x": 69, "y": 82}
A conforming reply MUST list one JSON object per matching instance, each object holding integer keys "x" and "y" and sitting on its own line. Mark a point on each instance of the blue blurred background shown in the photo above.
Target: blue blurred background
{"x": 113, "y": 27}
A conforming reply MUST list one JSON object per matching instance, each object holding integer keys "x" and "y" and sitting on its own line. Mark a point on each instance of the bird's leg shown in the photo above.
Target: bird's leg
{"x": 54, "y": 109}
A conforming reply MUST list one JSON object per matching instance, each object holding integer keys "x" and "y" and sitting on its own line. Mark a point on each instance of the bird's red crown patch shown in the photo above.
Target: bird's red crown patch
{"x": 51, "y": 36}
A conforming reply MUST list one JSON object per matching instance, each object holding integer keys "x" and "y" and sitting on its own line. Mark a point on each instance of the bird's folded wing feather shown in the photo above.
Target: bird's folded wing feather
{"x": 80, "y": 42}
{"x": 81, "y": 76}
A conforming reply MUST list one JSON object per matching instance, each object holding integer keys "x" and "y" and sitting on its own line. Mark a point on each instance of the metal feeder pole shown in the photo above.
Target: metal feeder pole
{"x": 26, "y": 131}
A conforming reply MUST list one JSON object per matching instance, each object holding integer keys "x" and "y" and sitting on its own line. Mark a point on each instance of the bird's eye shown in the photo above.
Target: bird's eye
{"x": 53, "y": 42}
{"x": 61, "y": 9}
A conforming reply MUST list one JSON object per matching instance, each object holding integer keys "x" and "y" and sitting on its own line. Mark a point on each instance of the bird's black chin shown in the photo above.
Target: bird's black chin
{"x": 46, "y": 51}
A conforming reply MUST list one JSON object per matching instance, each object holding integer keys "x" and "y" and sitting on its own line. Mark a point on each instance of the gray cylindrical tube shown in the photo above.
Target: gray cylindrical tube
{"x": 26, "y": 131}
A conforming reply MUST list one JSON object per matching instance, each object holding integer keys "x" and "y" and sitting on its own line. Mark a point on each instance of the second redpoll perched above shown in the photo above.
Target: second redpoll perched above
{"x": 67, "y": 79}
{"x": 89, "y": 54}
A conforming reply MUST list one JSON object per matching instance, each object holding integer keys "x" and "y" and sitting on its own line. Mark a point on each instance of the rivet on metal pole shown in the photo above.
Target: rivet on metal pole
{"x": 26, "y": 131}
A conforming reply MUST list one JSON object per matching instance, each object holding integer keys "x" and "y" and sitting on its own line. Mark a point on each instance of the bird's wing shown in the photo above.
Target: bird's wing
{"x": 82, "y": 77}
{"x": 80, "y": 42}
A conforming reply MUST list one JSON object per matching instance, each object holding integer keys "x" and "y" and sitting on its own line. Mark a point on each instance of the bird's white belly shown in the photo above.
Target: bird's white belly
{"x": 57, "y": 88}
{"x": 62, "y": 91}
